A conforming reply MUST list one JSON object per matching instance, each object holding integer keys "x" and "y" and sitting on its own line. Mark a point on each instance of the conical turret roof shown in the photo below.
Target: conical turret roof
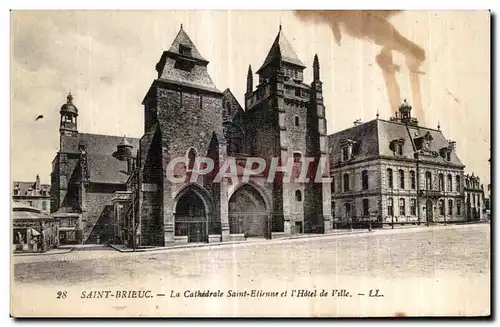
{"x": 282, "y": 49}
{"x": 183, "y": 39}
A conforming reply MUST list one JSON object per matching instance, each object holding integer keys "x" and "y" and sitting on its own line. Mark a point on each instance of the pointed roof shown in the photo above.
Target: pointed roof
{"x": 183, "y": 39}
{"x": 281, "y": 48}
{"x": 184, "y": 67}
{"x": 125, "y": 143}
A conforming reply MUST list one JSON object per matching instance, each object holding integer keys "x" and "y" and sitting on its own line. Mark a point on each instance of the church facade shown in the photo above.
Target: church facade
{"x": 194, "y": 175}
{"x": 121, "y": 189}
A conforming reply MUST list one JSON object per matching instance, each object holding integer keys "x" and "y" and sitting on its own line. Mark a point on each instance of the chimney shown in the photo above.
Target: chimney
{"x": 452, "y": 145}
{"x": 357, "y": 122}
{"x": 37, "y": 182}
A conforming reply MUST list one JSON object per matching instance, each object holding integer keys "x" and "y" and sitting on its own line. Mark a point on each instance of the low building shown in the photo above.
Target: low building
{"x": 474, "y": 198}
{"x": 33, "y": 231}
{"x": 393, "y": 172}
{"x": 32, "y": 194}
{"x": 86, "y": 172}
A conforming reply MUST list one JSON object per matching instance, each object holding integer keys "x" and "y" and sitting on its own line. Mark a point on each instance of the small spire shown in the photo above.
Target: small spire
{"x": 316, "y": 68}
{"x": 249, "y": 80}
{"x": 280, "y": 24}
{"x": 69, "y": 98}
{"x": 439, "y": 126}
{"x": 181, "y": 25}
{"x": 377, "y": 115}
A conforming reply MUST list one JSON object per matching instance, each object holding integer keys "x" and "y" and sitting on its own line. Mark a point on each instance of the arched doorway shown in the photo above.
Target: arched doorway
{"x": 248, "y": 213}
{"x": 191, "y": 217}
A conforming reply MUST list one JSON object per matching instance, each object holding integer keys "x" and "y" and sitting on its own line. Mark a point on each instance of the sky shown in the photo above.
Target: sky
{"x": 107, "y": 60}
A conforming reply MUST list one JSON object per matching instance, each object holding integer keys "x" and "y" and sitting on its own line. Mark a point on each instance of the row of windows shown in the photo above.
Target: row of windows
{"x": 428, "y": 180}
{"x": 472, "y": 184}
{"x": 346, "y": 183}
{"x": 401, "y": 181}
{"x": 347, "y": 209}
{"x": 31, "y": 192}
{"x": 292, "y": 73}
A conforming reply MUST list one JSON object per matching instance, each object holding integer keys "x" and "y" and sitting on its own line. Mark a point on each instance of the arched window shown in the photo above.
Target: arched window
{"x": 441, "y": 182}
{"x": 457, "y": 183}
{"x": 298, "y": 195}
{"x": 441, "y": 207}
{"x": 296, "y": 157}
{"x": 297, "y": 121}
{"x": 347, "y": 209}
{"x": 366, "y": 207}
{"x": 333, "y": 209}
{"x": 390, "y": 207}
{"x": 428, "y": 180}
{"x": 413, "y": 207}
{"x": 364, "y": 179}
{"x": 191, "y": 158}
{"x": 450, "y": 182}
{"x": 402, "y": 207}
{"x": 346, "y": 182}
{"x": 401, "y": 179}
{"x": 390, "y": 182}
{"x": 413, "y": 181}
{"x": 450, "y": 207}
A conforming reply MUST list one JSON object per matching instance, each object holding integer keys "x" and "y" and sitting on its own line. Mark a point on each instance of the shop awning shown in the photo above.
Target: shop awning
{"x": 34, "y": 232}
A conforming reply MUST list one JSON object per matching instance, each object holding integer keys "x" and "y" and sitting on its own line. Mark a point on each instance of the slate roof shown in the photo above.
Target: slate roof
{"x": 25, "y": 212}
{"x": 103, "y": 167}
{"x": 236, "y": 109}
{"x": 366, "y": 137}
{"x": 184, "y": 39}
{"x": 96, "y": 143}
{"x": 373, "y": 138}
{"x": 23, "y": 187}
{"x": 171, "y": 62}
{"x": 282, "y": 49}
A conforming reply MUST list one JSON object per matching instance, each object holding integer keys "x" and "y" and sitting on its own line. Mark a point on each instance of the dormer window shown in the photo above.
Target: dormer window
{"x": 399, "y": 149}
{"x": 345, "y": 154}
{"x": 184, "y": 50}
{"x": 445, "y": 153}
{"x": 347, "y": 149}
{"x": 397, "y": 146}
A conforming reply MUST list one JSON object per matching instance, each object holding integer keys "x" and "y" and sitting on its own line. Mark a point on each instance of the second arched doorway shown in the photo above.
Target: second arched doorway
{"x": 248, "y": 213}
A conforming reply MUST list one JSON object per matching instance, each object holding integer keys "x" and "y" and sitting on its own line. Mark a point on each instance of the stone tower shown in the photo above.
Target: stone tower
{"x": 183, "y": 119}
{"x": 284, "y": 122}
{"x": 69, "y": 114}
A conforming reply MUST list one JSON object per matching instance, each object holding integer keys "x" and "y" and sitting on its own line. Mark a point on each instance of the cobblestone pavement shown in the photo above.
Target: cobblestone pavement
{"x": 460, "y": 248}
{"x": 438, "y": 266}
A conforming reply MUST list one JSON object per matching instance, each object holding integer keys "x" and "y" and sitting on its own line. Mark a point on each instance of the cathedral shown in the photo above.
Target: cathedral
{"x": 116, "y": 189}
{"x": 136, "y": 192}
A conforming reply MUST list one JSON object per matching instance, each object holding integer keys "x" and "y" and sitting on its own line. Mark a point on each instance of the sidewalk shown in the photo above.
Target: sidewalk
{"x": 60, "y": 250}
{"x": 302, "y": 237}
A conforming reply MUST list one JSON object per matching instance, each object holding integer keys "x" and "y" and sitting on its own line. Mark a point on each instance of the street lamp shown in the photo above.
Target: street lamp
{"x": 392, "y": 207}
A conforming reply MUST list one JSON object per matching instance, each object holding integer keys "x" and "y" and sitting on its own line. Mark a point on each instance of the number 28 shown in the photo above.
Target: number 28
{"x": 61, "y": 294}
